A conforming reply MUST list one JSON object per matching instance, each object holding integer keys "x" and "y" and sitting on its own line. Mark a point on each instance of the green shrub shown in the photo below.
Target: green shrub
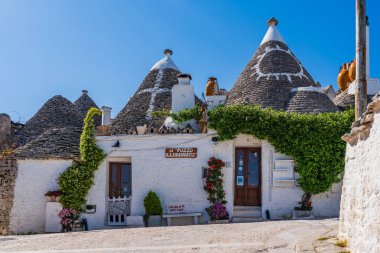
{"x": 152, "y": 204}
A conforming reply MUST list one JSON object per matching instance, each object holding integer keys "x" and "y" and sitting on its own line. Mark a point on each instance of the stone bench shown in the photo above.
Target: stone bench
{"x": 180, "y": 215}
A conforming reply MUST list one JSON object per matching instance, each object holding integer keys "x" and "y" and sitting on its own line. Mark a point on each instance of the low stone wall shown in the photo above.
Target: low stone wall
{"x": 360, "y": 204}
{"x": 8, "y": 173}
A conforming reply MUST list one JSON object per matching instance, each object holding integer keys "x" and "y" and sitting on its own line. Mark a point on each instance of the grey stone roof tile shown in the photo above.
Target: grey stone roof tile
{"x": 57, "y": 143}
{"x": 57, "y": 112}
{"x": 137, "y": 111}
{"x": 85, "y": 103}
{"x": 310, "y": 102}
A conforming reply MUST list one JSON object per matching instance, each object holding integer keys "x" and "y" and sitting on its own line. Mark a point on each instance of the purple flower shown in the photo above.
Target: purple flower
{"x": 218, "y": 212}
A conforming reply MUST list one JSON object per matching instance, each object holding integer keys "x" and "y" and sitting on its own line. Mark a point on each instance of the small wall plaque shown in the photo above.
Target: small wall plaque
{"x": 181, "y": 152}
{"x": 240, "y": 180}
{"x": 90, "y": 208}
{"x": 175, "y": 208}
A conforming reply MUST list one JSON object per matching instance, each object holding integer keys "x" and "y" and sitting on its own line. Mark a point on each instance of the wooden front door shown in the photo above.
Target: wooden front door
{"x": 248, "y": 177}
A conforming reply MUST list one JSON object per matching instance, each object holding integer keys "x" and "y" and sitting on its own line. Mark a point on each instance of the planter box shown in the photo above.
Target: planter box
{"x": 77, "y": 226}
{"x": 303, "y": 214}
{"x": 218, "y": 222}
{"x": 155, "y": 221}
{"x": 52, "y": 221}
{"x": 52, "y": 199}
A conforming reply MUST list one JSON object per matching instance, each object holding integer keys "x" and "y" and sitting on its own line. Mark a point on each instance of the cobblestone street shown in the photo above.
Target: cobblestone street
{"x": 268, "y": 236}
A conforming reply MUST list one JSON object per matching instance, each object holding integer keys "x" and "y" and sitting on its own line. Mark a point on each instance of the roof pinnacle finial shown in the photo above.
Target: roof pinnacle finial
{"x": 168, "y": 52}
{"x": 273, "y": 21}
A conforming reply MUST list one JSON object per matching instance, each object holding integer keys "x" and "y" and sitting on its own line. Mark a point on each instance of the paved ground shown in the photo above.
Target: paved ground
{"x": 328, "y": 243}
{"x": 268, "y": 236}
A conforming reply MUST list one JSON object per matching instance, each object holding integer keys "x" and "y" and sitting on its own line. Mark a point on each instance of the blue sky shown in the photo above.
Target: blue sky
{"x": 50, "y": 47}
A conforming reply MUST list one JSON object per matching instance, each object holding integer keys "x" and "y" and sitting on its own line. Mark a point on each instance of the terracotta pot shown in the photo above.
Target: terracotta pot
{"x": 343, "y": 78}
{"x": 352, "y": 71}
{"x": 52, "y": 199}
{"x": 211, "y": 87}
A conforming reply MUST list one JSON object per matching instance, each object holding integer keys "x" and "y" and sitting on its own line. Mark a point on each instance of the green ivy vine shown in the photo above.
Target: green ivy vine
{"x": 313, "y": 140}
{"x": 181, "y": 116}
{"x": 76, "y": 180}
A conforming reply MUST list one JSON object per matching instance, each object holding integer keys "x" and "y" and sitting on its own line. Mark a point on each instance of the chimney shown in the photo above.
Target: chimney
{"x": 84, "y": 91}
{"x": 106, "y": 115}
{"x": 184, "y": 79}
{"x": 214, "y": 95}
{"x": 212, "y": 87}
{"x": 5, "y": 126}
{"x": 183, "y": 94}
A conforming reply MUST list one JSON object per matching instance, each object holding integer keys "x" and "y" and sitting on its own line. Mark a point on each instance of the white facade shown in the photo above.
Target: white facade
{"x": 175, "y": 180}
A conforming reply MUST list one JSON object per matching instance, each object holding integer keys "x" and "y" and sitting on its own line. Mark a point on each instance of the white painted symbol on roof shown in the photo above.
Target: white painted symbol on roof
{"x": 260, "y": 74}
{"x": 154, "y": 91}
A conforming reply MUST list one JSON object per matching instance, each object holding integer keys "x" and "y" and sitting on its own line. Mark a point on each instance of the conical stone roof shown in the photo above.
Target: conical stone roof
{"x": 310, "y": 102}
{"x": 57, "y": 112}
{"x": 270, "y": 76}
{"x": 154, "y": 94}
{"x": 85, "y": 103}
{"x": 60, "y": 143}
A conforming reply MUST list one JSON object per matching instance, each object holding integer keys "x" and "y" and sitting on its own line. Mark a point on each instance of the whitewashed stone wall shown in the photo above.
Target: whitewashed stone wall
{"x": 34, "y": 179}
{"x": 174, "y": 180}
{"x": 360, "y": 205}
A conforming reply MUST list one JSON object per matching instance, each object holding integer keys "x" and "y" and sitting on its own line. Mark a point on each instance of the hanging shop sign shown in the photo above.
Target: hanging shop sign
{"x": 181, "y": 152}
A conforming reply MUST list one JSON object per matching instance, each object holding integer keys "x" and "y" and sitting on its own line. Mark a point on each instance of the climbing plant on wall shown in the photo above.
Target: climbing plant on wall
{"x": 314, "y": 140}
{"x": 76, "y": 181}
{"x": 214, "y": 181}
{"x": 215, "y": 190}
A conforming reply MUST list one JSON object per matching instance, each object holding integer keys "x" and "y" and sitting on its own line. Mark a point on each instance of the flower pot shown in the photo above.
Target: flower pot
{"x": 155, "y": 221}
{"x": 303, "y": 214}
{"x": 218, "y": 222}
{"x": 52, "y": 199}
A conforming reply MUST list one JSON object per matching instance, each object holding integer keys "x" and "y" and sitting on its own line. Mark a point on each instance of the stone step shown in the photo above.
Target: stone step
{"x": 237, "y": 219}
{"x": 248, "y": 213}
{"x": 247, "y": 208}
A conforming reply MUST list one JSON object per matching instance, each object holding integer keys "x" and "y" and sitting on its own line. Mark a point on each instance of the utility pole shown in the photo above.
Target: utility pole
{"x": 361, "y": 76}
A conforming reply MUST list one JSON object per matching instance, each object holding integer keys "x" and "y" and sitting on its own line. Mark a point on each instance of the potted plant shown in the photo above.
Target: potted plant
{"x": 153, "y": 210}
{"x": 213, "y": 185}
{"x": 304, "y": 210}
{"x": 70, "y": 220}
{"x": 218, "y": 214}
{"x": 53, "y": 196}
